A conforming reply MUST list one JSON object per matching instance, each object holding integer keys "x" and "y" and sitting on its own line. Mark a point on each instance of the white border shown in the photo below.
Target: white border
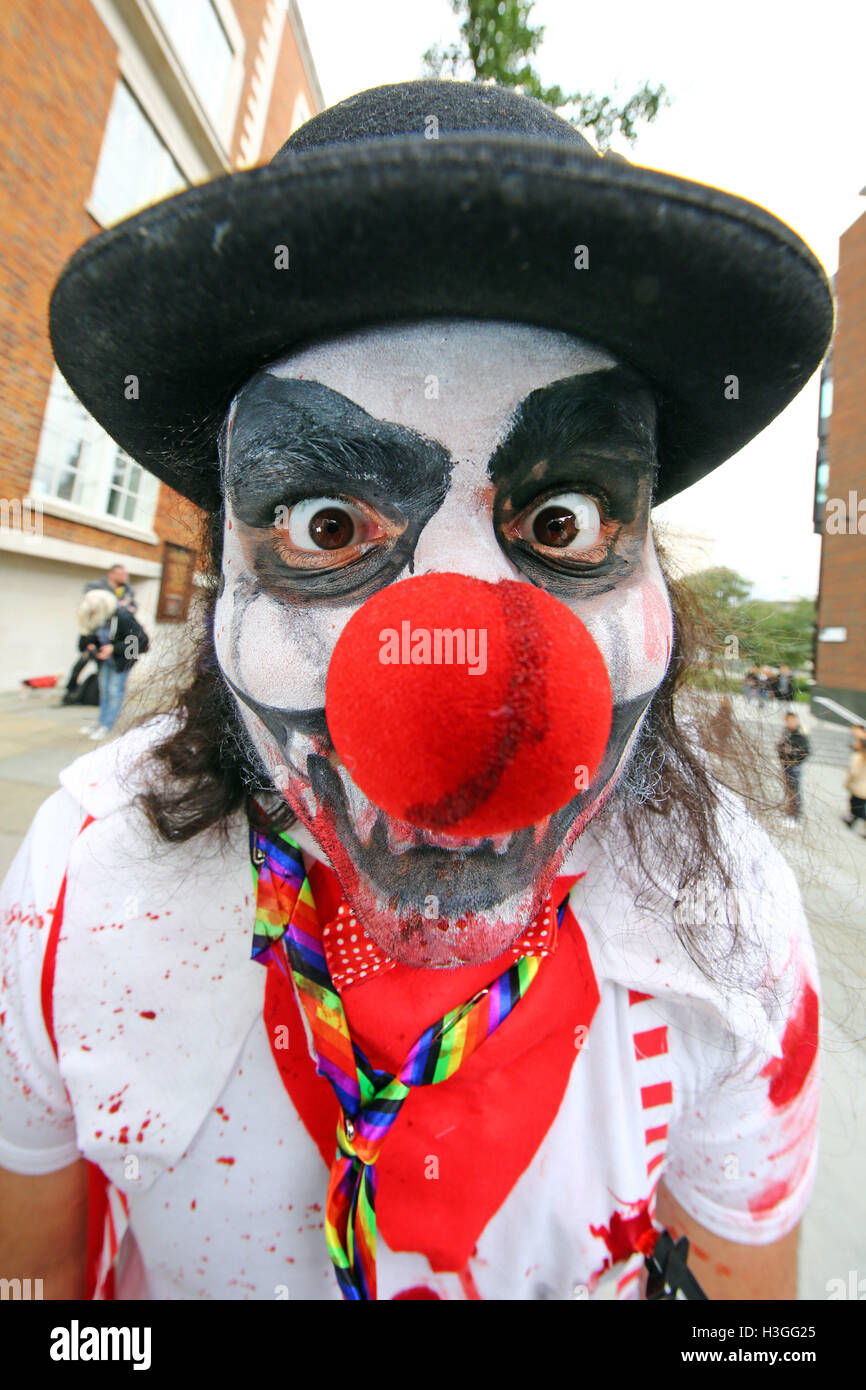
{"x": 73, "y": 553}
{"x": 58, "y": 506}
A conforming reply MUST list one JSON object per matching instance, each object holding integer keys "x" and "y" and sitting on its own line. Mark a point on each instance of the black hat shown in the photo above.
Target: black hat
{"x": 439, "y": 199}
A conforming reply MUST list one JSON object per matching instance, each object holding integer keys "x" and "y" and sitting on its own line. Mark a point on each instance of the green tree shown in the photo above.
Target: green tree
{"x": 719, "y": 590}
{"x": 777, "y": 632}
{"x": 766, "y": 633}
{"x": 496, "y": 43}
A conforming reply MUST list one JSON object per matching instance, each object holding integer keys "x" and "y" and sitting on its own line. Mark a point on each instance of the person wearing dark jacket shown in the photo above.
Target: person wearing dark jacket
{"x": 793, "y": 749}
{"x": 120, "y": 640}
{"x": 783, "y": 686}
{"x": 78, "y": 686}
{"x": 116, "y": 582}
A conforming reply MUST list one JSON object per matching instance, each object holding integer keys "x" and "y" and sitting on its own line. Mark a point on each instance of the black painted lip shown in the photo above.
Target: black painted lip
{"x": 282, "y": 723}
{"x": 486, "y": 878}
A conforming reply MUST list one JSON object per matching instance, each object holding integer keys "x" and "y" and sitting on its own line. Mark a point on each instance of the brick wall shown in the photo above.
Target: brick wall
{"x": 58, "y": 68}
{"x": 56, "y": 95}
{"x": 289, "y": 79}
{"x": 250, "y": 16}
{"x": 842, "y": 665}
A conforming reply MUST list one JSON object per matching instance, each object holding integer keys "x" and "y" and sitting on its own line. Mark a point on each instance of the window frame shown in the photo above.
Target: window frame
{"x": 157, "y": 78}
{"x": 98, "y": 209}
{"x": 97, "y": 458}
{"x": 221, "y": 118}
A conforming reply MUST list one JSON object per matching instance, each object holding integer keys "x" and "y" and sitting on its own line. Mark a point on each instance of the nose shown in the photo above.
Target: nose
{"x": 467, "y": 707}
{"x": 459, "y": 538}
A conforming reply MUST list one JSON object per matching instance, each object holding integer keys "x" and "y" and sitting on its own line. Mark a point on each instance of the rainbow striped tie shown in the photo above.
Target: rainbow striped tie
{"x": 370, "y": 1100}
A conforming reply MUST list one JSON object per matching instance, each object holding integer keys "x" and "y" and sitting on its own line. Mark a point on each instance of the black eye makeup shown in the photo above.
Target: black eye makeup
{"x": 319, "y": 533}
{"x": 565, "y": 524}
{"x": 327, "y": 500}
{"x": 574, "y": 482}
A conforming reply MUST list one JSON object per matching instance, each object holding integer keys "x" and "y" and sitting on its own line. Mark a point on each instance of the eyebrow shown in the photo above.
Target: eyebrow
{"x": 290, "y": 437}
{"x": 607, "y": 413}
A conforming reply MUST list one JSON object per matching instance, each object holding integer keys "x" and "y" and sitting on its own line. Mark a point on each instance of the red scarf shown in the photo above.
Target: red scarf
{"x": 435, "y": 1197}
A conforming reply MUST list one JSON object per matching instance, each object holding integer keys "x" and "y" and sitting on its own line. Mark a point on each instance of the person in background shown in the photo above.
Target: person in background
{"x": 793, "y": 749}
{"x": 765, "y": 684}
{"x": 750, "y": 683}
{"x": 120, "y": 641}
{"x": 784, "y": 686}
{"x": 116, "y": 582}
{"x": 855, "y": 782}
{"x": 77, "y": 689}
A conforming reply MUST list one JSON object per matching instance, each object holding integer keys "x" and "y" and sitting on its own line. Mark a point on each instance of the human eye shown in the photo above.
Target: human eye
{"x": 329, "y": 532}
{"x": 564, "y": 524}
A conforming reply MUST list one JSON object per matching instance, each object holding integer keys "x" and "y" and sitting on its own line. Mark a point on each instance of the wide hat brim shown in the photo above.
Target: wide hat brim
{"x": 721, "y": 306}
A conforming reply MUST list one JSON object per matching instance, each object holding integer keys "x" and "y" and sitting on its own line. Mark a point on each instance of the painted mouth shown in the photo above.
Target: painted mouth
{"x": 404, "y": 864}
{"x": 312, "y": 765}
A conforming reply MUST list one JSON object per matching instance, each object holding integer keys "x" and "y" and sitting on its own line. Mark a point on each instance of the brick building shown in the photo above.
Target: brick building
{"x": 840, "y": 492}
{"x": 109, "y": 105}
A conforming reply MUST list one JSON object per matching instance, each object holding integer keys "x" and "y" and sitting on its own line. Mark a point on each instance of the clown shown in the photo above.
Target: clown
{"x": 535, "y": 987}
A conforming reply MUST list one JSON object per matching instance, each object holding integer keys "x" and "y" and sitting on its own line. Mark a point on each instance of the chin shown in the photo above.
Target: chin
{"x": 426, "y": 899}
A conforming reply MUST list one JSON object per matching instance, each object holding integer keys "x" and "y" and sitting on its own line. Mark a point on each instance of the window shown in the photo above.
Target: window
{"x": 826, "y": 397}
{"x": 200, "y": 42}
{"x": 134, "y": 168}
{"x": 822, "y": 479}
{"x": 79, "y": 464}
{"x": 123, "y": 493}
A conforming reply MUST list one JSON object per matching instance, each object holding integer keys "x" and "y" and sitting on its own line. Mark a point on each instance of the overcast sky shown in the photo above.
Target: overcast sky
{"x": 767, "y": 103}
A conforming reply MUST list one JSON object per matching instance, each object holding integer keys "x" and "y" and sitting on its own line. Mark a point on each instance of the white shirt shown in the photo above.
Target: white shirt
{"x": 166, "y": 1079}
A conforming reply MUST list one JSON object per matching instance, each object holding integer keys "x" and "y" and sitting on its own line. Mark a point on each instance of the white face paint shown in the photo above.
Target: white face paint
{"x": 456, "y": 381}
{"x": 457, "y": 386}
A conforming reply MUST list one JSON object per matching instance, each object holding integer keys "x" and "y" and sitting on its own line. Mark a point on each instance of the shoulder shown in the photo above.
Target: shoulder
{"x": 719, "y": 959}
{"x": 762, "y": 889}
{"x": 95, "y": 806}
{"x": 153, "y": 988}
{"x": 110, "y": 778}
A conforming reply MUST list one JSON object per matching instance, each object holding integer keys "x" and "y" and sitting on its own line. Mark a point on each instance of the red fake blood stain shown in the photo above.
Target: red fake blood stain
{"x": 799, "y": 1045}
{"x": 418, "y": 1291}
{"x": 769, "y": 1198}
{"x": 628, "y": 1234}
{"x": 147, "y": 1013}
{"x": 229, "y": 1161}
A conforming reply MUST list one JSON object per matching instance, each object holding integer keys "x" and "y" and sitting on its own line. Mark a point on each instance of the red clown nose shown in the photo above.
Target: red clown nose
{"x": 468, "y": 708}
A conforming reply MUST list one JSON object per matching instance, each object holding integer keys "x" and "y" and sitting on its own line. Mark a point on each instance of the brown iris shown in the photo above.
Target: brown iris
{"x": 555, "y": 525}
{"x": 331, "y": 528}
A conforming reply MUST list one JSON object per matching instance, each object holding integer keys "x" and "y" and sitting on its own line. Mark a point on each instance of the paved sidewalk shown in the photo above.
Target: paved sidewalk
{"x": 36, "y": 743}
{"x": 37, "y": 740}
